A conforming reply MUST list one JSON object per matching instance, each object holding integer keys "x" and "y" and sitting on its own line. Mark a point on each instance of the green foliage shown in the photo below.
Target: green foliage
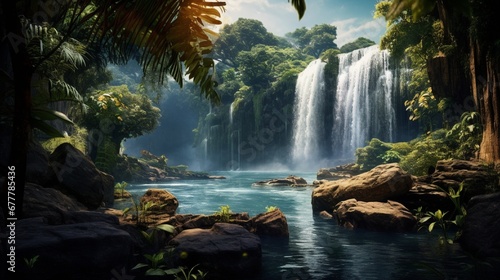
{"x": 30, "y": 263}
{"x": 359, "y": 43}
{"x": 107, "y": 155}
{"x": 78, "y": 139}
{"x": 190, "y": 275}
{"x": 140, "y": 211}
{"x": 271, "y": 208}
{"x": 438, "y": 217}
{"x": 120, "y": 188}
{"x": 426, "y": 151}
{"x": 372, "y": 155}
{"x": 316, "y": 40}
{"x": 224, "y": 213}
{"x": 121, "y": 114}
{"x": 467, "y": 134}
{"x": 150, "y": 236}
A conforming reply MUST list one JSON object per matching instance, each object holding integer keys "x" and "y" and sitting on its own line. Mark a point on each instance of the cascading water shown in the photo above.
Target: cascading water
{"x": 308, "y": 117}
{"x": 364, "y": 101}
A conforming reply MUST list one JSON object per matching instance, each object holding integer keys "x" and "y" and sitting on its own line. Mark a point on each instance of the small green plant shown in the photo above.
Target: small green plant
{"x": 182, "y": 275}
{"x": 120, "y": 188}
{"x": 30, "y": 263}
{"x": 141, "y": 211}
{"x": 271, "y": 208}
{"x": 151, "y": 235}
{"x": 224, "y": 214}
{"x": 439, "y": 220}
{"x": 156, "y": 266}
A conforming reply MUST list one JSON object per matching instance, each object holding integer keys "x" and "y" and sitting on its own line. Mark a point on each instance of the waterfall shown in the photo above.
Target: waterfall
{"x": 364, "y": 99}
{"x": 308, "y": 117}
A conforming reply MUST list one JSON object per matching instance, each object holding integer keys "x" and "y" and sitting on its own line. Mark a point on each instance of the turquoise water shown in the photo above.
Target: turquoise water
{"x": 317, "y": 247}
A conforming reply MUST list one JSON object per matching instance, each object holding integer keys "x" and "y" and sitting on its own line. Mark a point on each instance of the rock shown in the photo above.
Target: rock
{"x": 326, "y": 215}
{"x": 380, "y": 216}
{"x": 291, "y": 180}
{"x": 38, "y": 170}
{"x": 216, "y": 177}
{"x": 48, "y": 203}
{"x": 81, "y": 251}
{"x": 164, "y": 201}
{"x": 227, "y": 251}
{"x": 427, "y": 196}
{"x": 338, "y": 172}
{"x": 78, "y": 176}
{"x": 481, "y": 231}
{"x": 122, "y": 195}
{"x": 271, "y": 223}
{"x": 383, "y": 182}
{"x": 477, "y": 177}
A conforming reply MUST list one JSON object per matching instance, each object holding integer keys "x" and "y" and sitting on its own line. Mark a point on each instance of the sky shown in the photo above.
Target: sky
{"x": 353, "y": 19}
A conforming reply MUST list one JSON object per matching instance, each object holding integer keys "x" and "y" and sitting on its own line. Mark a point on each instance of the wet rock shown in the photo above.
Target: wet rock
{"x": 271, "y": 223}
{"x": 227, "y": 251}
{"x": 383, "y": 182}
{"x": 380, "y": 216}
{"x": 78, "y": 176}
{"x": 293, "y": 181}
{"x": 481, "y": 232}
{"x": 338, "y": 172}
{"x": 164, "y": 201}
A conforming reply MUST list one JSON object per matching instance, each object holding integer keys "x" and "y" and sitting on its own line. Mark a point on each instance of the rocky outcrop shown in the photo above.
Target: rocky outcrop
{"x": 227, "y": 251}
{"x": 272, "y": 223}
{"x": 380, "y": 216}
{"x": 427, "y": 196}
{"x": 338, "y": 172}
{"x": 89, "y": 250}
{"x": 48, "y": 203}
{"x": 163, "y": 201}
{"x": 481, "y": 231}
{"x": 477, "y": 177}
{"x": 292, "y": 181}
{"x": 38, "y": 170}
{"x": 383, "y": 182}
{"x": 78, "y": 176}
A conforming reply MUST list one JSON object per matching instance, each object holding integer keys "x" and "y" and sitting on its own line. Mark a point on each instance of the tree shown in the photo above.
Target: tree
{"x": 242, "y": 35}
{"x": 121, "y": 114}
{"x": 316, "y": 40}
{"x": 359, "y": 43}
{"x": 470, "y": 25}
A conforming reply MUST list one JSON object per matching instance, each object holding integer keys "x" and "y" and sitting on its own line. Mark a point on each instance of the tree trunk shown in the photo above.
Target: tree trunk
{"x": 485, "y": 82}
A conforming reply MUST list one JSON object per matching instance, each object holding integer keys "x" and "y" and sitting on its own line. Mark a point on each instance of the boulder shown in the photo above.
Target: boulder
{"x": 48, "y": 203}
{"x": 338, "y": 172}
{"x": 81, "y": 251}
{"x": 478, "y": 178}
{"x": 481, "y": 231}
{"x": 383, "y": 182}
{"x": 78, "y": 176}
{"x": 380, "y": 216}
{"x": 227, "y": 251}
{"x": 427, "y": 196}
{"x": 271, "y": 223}
{"x": 164, "y": 201}
{"x": 38, "y": 170}
{"x": 291, "y": 180}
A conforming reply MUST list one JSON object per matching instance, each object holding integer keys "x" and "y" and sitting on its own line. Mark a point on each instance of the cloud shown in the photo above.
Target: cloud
{"x": 350, "y": 29}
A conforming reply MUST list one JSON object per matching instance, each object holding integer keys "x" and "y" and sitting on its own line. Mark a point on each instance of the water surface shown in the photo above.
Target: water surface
{"x": 317, "y": 247}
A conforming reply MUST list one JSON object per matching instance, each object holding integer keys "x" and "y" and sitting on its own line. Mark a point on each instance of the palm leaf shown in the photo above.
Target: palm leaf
{"x": 300, "y": 6}
{"x": 167, "y": 33}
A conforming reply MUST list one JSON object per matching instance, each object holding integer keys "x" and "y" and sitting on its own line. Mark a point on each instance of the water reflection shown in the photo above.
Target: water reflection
{"x": 317, "y": 248}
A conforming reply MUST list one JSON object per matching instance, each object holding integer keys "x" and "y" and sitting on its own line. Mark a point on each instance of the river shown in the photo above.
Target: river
{"x": 317, "y": 247}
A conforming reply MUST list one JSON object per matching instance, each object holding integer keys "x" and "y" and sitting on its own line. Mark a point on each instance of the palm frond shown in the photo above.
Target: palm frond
{"x": 300, "y": 6}
{"x": 169, "y": 34}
